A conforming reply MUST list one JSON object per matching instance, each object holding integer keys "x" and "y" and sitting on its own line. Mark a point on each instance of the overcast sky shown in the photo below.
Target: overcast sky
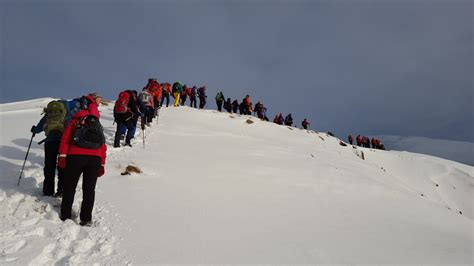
{"x": 374, "y": 67}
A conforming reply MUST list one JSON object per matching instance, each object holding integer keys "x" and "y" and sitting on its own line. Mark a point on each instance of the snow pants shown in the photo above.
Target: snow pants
{"x": 219, "y": 105}
{"x": 163, "y": 97}
{"x": 89, "y": 166}
{"x": 122, "y": 128}
{"x": 51, "y": 151}
{"x": 202, "y": 102}
{"x": 192, "y": 102}
{"x": 176, "y": 99}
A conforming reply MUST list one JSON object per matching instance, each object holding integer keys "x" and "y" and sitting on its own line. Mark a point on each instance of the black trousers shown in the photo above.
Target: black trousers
{"x": 183, "y": 99}
{"x": 89, "y": 166}
{"x": 202, "y": 102}
{"x": 51, "y": 150}
{"x": 219, "y": 105}
{"x": 163, "y": 97}
{"x": 193, "y": 102}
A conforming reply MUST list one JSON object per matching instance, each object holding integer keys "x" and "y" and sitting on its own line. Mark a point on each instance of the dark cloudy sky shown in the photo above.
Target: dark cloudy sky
{"x": 394, "y": 67}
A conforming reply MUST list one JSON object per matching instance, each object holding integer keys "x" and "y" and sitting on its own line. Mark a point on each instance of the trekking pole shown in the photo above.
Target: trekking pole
{"x": 158, "y": 115}
{"x": 26, "y": 156}
{"x": 143, "y": 131}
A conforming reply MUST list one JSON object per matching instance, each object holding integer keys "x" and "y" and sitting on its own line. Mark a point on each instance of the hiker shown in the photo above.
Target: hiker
{"x": 126, "y": 115}
{"x": 135, "y": 107}
{"x": 155, "y": 89}
{"x": 367, "y": 142}
{"x": 177, "y": 90}
{"x": 288, "y": 120}
{"x": 82, "y": 152}
{"x": 145, "y": 99}
{"x": 235, "y": 106}
{"x": 247, "y": 103}
{"x": 219, "y": 100}
{"x": 242, "y": 108}
{"x": 258, "y": 109}
{"x": 228, "y": 105}
{"x": 202, "y": 96}
{"x": 192, "y": 97}
{"x": 165, "y": 93}
{"x": 359, "y": 140}
{"x": 305, "y": 123}
{"x": 184, "y": 94}
{"x": 264, "y": 111}
{"x": 278, "y": 119}
{"x": 57, "y": 115}
{"x": 350, "y": 139}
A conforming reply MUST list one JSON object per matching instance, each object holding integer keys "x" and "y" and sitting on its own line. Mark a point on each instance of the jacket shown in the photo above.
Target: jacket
{"x": 67, "y": 145}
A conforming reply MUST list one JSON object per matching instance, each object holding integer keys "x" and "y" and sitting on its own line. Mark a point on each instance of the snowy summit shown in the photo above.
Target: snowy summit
{"x": 224, "y": 188}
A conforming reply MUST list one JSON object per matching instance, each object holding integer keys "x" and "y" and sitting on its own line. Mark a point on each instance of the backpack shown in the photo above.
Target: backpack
{"x": 89, "y": 133}
{"x": 55, "y": 115}
{"x": 175, "y": 87}
{"x": 121, "y": 105}
{"x": 145, "y": 98}
{"x": 201, "y": 92}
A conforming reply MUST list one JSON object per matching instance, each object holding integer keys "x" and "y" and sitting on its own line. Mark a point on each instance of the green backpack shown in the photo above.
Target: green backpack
{"x": 55, "y": 113}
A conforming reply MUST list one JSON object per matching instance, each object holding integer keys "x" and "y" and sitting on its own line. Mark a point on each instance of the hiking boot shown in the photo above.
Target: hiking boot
{"x": 58, "y": 194}
{"x": 128, "y": 144}
{"x": 84, "y": 223}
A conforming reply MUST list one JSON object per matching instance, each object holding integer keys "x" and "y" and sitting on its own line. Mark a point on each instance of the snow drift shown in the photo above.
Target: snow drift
{"x": 216, "y": 189}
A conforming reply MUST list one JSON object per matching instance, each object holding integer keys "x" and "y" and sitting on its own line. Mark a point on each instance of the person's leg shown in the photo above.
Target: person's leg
{"x": 131, "y": 127}
{"x": 118, "y": 134}
{"x": 89, "y": 181}
{"x": 74, "y": 166}
{"x": 49, "y": 170}
{"x": 59, "y": 189}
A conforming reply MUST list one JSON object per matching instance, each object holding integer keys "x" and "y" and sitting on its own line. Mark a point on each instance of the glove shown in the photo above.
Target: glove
{"x": 35, "y": 130}
{"x": 62, "y": 161}
{"x": 101, "y": 171}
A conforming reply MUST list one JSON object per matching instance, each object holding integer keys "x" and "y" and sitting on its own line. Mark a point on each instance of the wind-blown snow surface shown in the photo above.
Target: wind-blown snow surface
{"x": 216, "y": 189}
{"x": 459, "y": 151}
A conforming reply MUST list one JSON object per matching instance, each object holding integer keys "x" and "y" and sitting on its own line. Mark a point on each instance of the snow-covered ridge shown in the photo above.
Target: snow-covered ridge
{"x": 218, "y": 189}
{"x": 459, "y": 151}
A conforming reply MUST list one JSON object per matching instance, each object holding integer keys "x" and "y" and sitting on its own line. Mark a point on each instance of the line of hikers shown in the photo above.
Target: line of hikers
{"x": 75, "y": 141}
{"x": 364, "y": 141}
{"x": 245, "y": 108}
{"x": 131, "y": 105}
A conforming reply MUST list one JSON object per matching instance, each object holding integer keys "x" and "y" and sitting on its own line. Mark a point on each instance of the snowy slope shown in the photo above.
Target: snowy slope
{"x": 459, "y": 151}
{"x": 216, "y": 189}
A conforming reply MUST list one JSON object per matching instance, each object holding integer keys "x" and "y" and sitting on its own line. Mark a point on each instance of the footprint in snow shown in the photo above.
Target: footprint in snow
{"x": 38, "y": 231}
{"x": 30, "y": 222}
{"x": 14, "y": 247}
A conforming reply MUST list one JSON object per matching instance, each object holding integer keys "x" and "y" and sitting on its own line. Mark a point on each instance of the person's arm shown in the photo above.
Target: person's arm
{"x": 66, "y": 139}
{"x": 40, "y": 126}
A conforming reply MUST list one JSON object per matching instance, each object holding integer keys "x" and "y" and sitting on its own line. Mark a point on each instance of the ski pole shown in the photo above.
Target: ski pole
{"x": 26, "y": 156}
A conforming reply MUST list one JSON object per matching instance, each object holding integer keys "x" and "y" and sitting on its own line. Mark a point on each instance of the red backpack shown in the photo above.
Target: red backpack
{"x": 121, "y": 105}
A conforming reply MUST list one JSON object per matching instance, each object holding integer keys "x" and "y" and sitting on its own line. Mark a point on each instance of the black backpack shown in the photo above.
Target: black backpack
{"x": 89, "y": 133}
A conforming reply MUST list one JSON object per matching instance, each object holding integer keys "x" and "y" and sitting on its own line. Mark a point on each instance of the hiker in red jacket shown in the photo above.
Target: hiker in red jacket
{"x": 359, "y": 140}
{"x": 305, "y": 123}
{"x": 82, "y": 151}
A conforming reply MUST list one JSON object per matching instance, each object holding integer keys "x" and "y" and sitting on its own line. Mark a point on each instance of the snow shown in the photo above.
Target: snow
{"x": 459, "y": 151}
{"x": 216, "y": 189}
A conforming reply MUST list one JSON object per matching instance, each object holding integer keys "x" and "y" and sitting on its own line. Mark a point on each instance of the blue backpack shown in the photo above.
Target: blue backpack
{"x": 73, "y": 106}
